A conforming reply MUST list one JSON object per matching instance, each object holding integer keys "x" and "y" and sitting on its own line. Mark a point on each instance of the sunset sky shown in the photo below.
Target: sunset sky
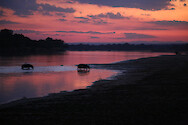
{"x": 99, "y": 21}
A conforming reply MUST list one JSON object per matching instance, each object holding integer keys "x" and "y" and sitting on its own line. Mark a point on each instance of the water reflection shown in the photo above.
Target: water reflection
{"x": 76, "y": 57}
{"x": 83, "y": 72}
{"x": 49, "y": 76}
{"x": 28, "y": 84}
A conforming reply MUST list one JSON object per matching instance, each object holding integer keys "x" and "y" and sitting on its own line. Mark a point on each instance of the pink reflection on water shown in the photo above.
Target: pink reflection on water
{"x": 15, "y": 85}
{"x": 77, "y": 57}
{"x": 41, "y": 84}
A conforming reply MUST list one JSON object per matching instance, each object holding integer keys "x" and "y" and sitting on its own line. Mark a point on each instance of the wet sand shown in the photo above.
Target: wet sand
{"x": 149, "y": 91}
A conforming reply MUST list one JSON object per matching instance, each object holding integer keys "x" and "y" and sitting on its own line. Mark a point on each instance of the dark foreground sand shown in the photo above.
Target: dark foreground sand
{"x": 152, "y": 91}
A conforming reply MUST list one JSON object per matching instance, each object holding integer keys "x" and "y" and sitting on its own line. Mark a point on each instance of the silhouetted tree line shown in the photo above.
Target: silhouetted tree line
{"x": 131, "y": 47}
{"x": 18, "y": 44}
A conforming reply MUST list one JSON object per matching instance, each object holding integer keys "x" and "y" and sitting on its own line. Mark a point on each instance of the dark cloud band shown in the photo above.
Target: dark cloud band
{"x": 170, "y": 23}
{"x": 94, "y": 37}
{"x": 26, "y": 7}
{"x": 7, "y": 22}
{"x": 26, "y": 31}
{"x": 137, "y": 36}
{"x": 88, "y": 32}
{"x": 21, "y": 7}
{"x": 143, "y": 4}
{"x": 108, "y": 15}
{"x": 51, "y": 8}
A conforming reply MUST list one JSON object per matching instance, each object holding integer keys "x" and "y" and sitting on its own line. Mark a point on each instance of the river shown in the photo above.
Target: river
{"x": 55, "y": 73}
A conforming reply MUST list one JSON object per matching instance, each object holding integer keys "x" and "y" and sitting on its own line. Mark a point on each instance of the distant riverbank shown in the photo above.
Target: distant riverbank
{"x": 12, "y": 44}
{"x": 129, "y": 47}
{"x": 150, "y": 91}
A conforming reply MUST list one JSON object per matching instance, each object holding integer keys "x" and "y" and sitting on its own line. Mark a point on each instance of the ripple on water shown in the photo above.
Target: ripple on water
{"x": 42, "y": 69}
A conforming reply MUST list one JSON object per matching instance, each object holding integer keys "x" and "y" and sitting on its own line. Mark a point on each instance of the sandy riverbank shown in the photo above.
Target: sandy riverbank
{"x": 150, "y": 91}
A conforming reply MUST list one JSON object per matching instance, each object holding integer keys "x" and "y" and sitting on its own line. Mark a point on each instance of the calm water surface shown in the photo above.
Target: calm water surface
{"x": 49, "y": 76}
